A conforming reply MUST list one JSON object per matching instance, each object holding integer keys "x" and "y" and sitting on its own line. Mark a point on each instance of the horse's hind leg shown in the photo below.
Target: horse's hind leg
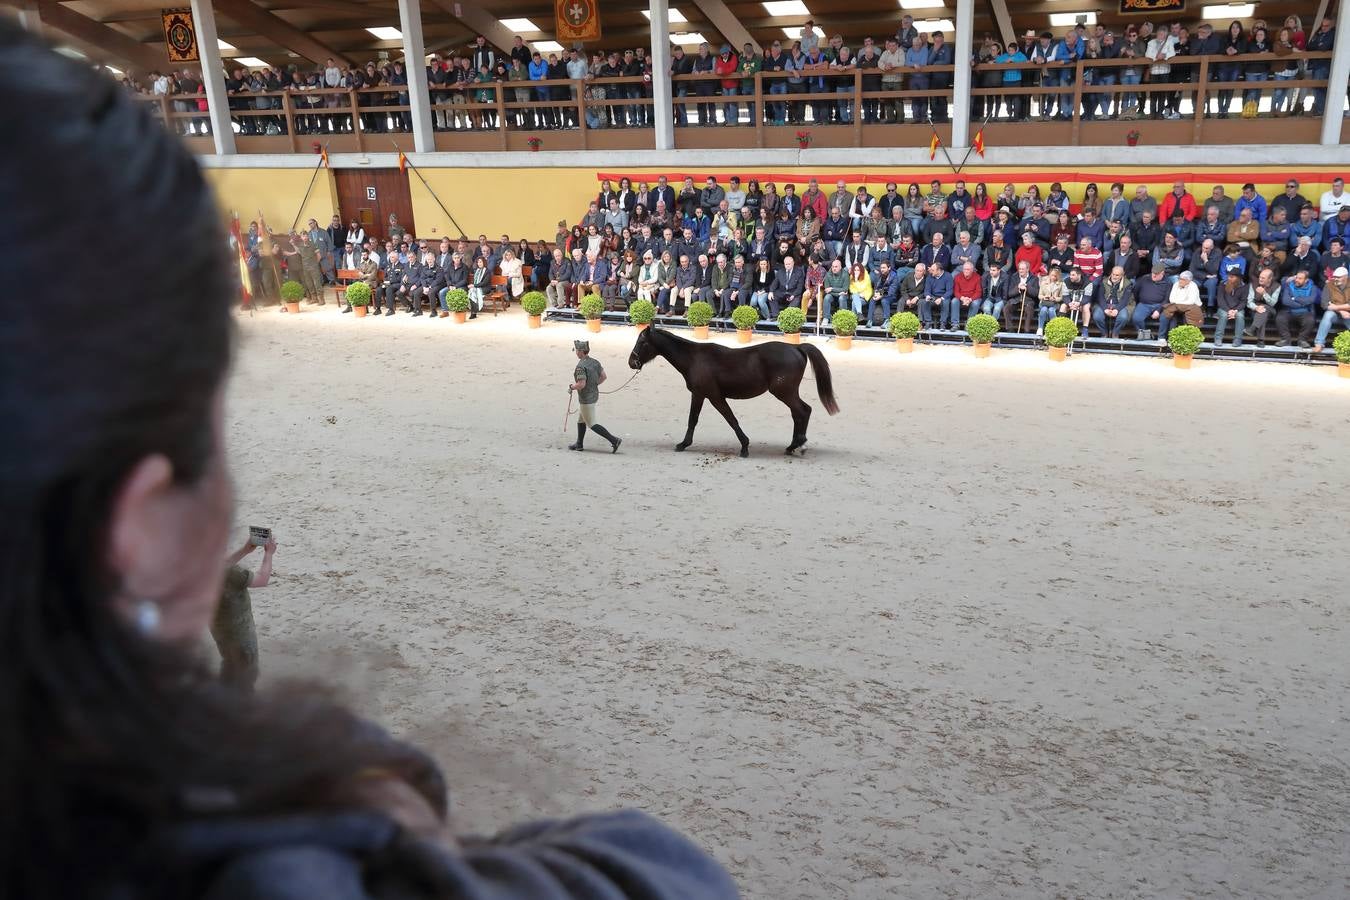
{"x": 724, "y": 408}
{"x": 695, "y": 407}
{"x": 801, "y": 414}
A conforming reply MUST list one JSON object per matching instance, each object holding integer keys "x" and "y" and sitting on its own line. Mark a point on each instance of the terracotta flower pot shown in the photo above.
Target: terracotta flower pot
{"x": 1058, "y": 354}
{"x": 981, "y": 351}
{"x": 593, "y": 325}
{"x": 536, "y": 321}
{"x": 904, "y": 345}
{"x": 1181, "y": 362}
{"x": 1343, "y": 369}
{"x": 701, "y": 332}
{"x": 461, "y": 318}
{"x": 793, "y": 338}
{"x": 642, "y": 326}
{"x": 293, "y": 307}
{"x": 360, "y": 311}
{"x": 445, "y": 313}
{"x": 845, "y": 341}
{"x": 743, "y": 335}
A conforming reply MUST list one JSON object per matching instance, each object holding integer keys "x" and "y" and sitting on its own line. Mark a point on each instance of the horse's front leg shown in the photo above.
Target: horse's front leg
{"x": 722, "y": 406}
{"x": 695, "y": 407}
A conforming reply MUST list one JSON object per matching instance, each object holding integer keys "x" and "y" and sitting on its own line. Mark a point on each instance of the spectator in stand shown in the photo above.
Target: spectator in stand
{"x": 1298, "y": 300}
{"x": 1178, "y": 200}
{"x": 1250, "y": 199}
{"x": 1151, "y": 294}
{"x": 1336, "y": 298}
{"x": 1232, "y": 307}
{"x": 1111, "y": 310}
{"x": 967, "y": 295}
{"x": 1022, "y": 292}
{"x": 1205, "y": 270}
{"x": 1030, "y": 253}
{"x": 1051, "y": 298}
{"x": 1334, "y": 200}
{"x": 1183, "y": 300}
{"x": 937, "y": 294}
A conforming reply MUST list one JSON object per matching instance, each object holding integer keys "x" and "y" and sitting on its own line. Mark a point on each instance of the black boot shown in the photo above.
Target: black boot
{"x": 581, "y": 436}
{"x": 613, "y": 441}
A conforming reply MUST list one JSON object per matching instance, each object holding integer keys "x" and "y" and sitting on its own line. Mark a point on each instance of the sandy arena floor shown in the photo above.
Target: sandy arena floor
{"x": 1009, "y": 628}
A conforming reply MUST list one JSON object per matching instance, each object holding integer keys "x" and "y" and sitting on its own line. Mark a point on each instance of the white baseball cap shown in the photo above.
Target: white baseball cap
{"x": 1340, "y": 273}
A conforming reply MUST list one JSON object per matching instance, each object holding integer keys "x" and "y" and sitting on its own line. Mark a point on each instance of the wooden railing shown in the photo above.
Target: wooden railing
{"x": 560, "y": 115}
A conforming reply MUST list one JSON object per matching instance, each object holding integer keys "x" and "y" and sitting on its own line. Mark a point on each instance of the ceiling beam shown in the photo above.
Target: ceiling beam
{"x": 249, "y": 15}
{"x": 1005, "y": 25}
{"x": 109, "y": 41}
{"x": 480, "y": 21}
{"x": 725, "y": 21}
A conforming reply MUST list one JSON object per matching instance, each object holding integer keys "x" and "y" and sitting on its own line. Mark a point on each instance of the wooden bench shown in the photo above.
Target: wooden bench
{"x": 496, "y": 299}
{"x": 348, "y": 277}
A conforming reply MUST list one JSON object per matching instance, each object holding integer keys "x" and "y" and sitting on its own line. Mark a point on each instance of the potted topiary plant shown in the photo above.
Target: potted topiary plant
{"x": 982, "y": 329}
{"x": 358, "y": 296}
{"x": 845, "y": 325}
{"x": 1184, "y": 340}
{"x": 457, "y": 301}
{"x": 790, "y": 322}
{"x": 903, "y": 326}
{"x": 699, "y": 315}
{"x": 592, "y": 307}
{"x": 534, "y": 303}
{"x": 1342, "y": 347}
{"x": 744, "y": 318}
{"x": 292, "y": 292}
{"x": 1060, "y": 332}
{"x": 641, "y": 313}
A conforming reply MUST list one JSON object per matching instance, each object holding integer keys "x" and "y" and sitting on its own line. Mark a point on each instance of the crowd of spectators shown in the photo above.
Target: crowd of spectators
{"x": 539, "y": 91}
{"x": 1123, "y": 263}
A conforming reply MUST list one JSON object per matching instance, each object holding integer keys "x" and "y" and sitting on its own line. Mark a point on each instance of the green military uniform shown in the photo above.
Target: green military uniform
{"x": 398, "y": 234}
{"x": 590, "y": 371}
{"x": 311, "y": 274}
{"x": 233, "y": 631}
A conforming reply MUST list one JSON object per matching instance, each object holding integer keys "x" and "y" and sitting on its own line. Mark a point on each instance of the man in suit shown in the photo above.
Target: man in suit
{"x": 788, "y": 284}
{"x": 430, "y": 284}
{"x": 705, "y": 282}
{"x": 1020, "y": 296}
{"x": 395, "y": 281}
{"x": 761, "y": 247}
{"x": 591, "y": 276}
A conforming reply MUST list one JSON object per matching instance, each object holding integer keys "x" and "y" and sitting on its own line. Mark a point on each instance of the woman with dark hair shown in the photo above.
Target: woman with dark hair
{"x": 126, "y": 768}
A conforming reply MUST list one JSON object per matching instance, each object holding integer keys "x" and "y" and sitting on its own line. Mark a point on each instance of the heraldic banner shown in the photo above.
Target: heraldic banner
{"x": 576, "y": 20}
{"x": 1152, "y": 6}
{"x": 180, "y": 35}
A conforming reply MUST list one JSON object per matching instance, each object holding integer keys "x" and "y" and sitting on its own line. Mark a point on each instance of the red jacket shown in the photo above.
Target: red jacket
{"x": 1033, "y": 256}
{"x": 963, "y": 286}
{"x": 727, "y": 66}
{"x": 816, "y": 203}
{"x": 1170, "y": 204}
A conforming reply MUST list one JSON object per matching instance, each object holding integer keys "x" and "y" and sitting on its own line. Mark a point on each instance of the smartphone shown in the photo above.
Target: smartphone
{"x": 258, "y": 536}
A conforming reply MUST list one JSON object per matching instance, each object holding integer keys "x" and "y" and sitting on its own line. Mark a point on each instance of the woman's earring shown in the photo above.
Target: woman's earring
{"x": 147, "y": 617}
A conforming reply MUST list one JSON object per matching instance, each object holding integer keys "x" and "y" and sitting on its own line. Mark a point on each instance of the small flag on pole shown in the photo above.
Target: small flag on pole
{"x": 323, "y": 153}
{"x": 933, "y": 146}
{"x": 237, "y": 238}
{"x": 402, "y": 162}
{"x": 979, "y": 142}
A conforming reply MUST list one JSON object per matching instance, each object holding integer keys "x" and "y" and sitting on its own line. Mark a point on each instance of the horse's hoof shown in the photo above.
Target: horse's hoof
{"x": 745, "y": 452}
{"x": 679, "y": 448}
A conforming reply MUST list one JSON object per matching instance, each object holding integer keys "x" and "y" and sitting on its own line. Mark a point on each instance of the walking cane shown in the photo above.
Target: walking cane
{"x": 1022, "y": 314}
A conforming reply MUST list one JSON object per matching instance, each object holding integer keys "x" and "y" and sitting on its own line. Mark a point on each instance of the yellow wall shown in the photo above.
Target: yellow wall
{"x": 276, "y": 193}
{"x": 530, "y": 202}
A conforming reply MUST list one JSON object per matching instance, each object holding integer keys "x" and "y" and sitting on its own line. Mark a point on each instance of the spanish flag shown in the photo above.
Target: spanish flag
{"x": 237, "y": 238}
{"x": 979, "y": 142}
{"x": 933, "y": 145}
{"x": 402, "y": 162}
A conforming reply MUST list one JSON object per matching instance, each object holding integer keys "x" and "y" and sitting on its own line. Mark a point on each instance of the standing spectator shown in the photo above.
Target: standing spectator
{"x": 891, "y": 63}
{"x": 916, "y": 57}
{"x": 1161, "y": 49}
{"x": 1232, "y": 45}
{"x": 703, "y": 65}
{"x": 1255, "y": 70}
{"x": 1321, "y": 41}
{"x": 680, "y": 64}
{"x": 727, "y": 64}
{"x": 940, "y": 54}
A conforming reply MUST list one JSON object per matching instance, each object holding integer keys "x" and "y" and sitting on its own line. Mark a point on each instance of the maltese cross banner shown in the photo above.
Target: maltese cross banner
{"x": 576, "y": 20}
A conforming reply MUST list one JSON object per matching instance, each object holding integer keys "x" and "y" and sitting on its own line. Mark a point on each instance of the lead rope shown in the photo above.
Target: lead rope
{"x": 568, "y": 417}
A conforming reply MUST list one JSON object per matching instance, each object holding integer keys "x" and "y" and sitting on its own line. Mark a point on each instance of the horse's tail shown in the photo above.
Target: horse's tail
{"x": 820, "y": 368}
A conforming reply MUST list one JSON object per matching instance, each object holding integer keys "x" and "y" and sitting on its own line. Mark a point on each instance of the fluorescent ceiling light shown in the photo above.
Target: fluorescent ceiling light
{"x": 386, "y": 33}
{"x": 786, "y": 8}
{"x": 793, "y": 34}
{"x": 520, "y": 25}
{"x": 71, "y": 52}
{"x": 548, "y": 46}
{"x": 688, "y": 39}
{"x": 928, "y": 26}
{"x": 673, "y": 15}
{"x": 1065, "y": 19}
{"x": 921, "y": 4}
{"x": 1229, "y": 11}
{"x": 113, "y": 69}
{"x": 225, "y": 46}
{"x": 251, "y": 62}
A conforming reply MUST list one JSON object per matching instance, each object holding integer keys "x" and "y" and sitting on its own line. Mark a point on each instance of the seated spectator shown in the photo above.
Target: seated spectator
{"x": 836, "y": 288}
{"x": 884, "y": 289}
{"x": 967, "y": 295}
{"x": 1151, "y": 294}
{"x": 1061, "y": 255}
{"x": 1030, "y": 253}
{"x": 937, "y": 293}
{"x": 859, "y": 288}
{"x": 1265, "y": 296}
{"x": 1303, "y": 259}
{"x": 789, "y": 283}
{"x": 1336, "y": 298}
{"x": 1232, "y": 299}
{"x": 1171, "y": 256}
{"x": 1205, "y": 266}
{"x": 1111, "y": 311}
{"x": 1183, "y": 300}
{"x": 1022, "y": 293}
{"x": 1298, "y": 300}
{"x": 1078, "y": 298}
{"x": 1051, "y": 299}
{"x": 912, "y": 290}
{"x": 815, "y": 282}
{"x": 993, "y": 286}
{"x": 686, "y": 285}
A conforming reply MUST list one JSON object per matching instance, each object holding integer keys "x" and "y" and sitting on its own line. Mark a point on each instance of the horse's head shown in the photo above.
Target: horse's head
{"x": 644, "y": 351}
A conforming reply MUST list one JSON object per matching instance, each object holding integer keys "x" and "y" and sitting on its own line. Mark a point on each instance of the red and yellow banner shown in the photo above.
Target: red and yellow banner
{"x": 576, "y": 20}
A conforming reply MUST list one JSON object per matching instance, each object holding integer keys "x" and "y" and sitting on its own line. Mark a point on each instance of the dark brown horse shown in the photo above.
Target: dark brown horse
{"x": 718, "y": 374}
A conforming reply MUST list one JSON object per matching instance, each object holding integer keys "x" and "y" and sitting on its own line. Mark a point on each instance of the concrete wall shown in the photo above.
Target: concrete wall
{"x": 526, "y": 194}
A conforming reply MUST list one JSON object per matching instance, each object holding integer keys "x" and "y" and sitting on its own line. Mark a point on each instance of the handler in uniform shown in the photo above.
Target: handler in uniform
{"x": 232, "y": 628}
{"x": 586, "y": 381}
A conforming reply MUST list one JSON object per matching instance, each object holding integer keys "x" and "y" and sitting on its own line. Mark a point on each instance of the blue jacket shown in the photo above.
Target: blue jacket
{"x": 939, "y": 287}
{"x": 699, "y": 225}
{"x": 1312, "y": 230}
{"x": 1257, "y": 205}
{"x": 538, "y": 70}
{"x": 1094, "y": 231}
{"x": 1300, "y": 300}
